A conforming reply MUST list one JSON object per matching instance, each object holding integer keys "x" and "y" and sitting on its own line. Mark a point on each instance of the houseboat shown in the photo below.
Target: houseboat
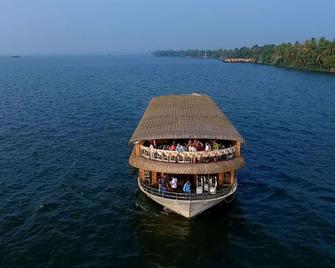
{"x": 239, "y": 60}
{"x": 187, "y": 153}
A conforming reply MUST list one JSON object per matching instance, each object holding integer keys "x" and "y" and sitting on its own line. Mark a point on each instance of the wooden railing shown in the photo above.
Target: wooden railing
{"x": 188, "y": 157}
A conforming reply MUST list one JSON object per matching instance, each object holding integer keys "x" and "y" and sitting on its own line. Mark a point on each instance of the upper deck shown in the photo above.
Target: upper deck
{"x": 183, "y": 121}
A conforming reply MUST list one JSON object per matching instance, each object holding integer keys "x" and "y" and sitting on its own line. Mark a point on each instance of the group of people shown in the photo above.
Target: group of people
{"x": 166, "y": 184}
{"x": 191, "y": 146}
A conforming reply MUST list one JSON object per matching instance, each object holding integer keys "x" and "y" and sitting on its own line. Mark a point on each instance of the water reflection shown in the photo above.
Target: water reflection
{"x": 168, "y": 240}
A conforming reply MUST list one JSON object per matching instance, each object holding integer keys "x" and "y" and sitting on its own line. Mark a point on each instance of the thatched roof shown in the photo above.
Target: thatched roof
{"x": 182, "y": 168}
{"x": 184, "y": 117}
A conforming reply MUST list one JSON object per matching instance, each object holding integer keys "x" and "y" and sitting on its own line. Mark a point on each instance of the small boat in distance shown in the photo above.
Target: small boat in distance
{"x": 187, "y": 153}
{"x": 15, "y": 56}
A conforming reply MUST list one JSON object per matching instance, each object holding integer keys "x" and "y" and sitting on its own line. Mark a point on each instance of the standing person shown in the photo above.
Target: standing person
{"x": 174, "y": 184}
{"x": 160, "y": 184}
{"x": 187, "y": 187}
{"x": 164, "y": 185}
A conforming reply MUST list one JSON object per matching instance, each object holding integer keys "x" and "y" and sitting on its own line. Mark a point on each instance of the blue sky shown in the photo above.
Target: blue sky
{"x": 131, "y": 26}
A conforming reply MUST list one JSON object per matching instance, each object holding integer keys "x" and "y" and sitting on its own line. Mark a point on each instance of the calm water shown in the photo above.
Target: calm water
{"x": 68, "y": 197}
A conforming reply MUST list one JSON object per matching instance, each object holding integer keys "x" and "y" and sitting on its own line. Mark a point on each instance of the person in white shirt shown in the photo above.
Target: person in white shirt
{"x": 208, "y": 147}
{"x": 174, "y": 184}
{"x": 192, "y": 149}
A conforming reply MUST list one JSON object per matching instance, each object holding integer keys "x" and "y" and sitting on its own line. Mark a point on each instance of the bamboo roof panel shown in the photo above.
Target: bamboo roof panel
{"x": 184, "y": 117}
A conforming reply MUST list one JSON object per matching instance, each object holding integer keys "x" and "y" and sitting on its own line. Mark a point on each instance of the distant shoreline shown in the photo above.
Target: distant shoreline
{"x": 314, "y": 55}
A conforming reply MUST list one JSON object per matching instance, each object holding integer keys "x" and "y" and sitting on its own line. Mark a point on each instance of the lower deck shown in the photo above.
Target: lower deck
{"x": 188, "y": 204}
{"x": 174, "y": 184}
{"x": 193, "y": 195}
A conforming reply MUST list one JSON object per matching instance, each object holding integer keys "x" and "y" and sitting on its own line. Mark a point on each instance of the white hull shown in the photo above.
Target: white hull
{"x": 188, "y": 208}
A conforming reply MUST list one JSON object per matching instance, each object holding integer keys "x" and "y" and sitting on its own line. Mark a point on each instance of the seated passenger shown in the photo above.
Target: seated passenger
{"x": 180, "y": 148}
{"x": 187, "y": 187}
{"x": 154, "y": 143}
{"x": 199, "y": 145}
{"x": 172, "y": 147}
{"x": 189, "y": 143}
{"x": 191, "y": 148}
{"x": 208, "y": 147}
{"x": 216, "y": 146}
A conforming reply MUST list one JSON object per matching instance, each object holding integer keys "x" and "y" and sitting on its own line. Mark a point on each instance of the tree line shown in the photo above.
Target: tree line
{"x": 312, "y": 55}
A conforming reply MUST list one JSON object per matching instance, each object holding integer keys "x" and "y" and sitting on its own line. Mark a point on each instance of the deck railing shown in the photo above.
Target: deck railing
{"x": 222, "y": 191}
{"x": 188, "y": 157}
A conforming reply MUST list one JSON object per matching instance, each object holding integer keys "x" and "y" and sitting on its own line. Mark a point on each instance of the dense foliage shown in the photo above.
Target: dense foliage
{"x": 312, "y": 55}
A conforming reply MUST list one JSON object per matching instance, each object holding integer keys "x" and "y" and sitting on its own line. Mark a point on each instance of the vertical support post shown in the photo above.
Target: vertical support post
{"x": 221, "y": 179}
{"x": 137, "y": 149}
{"x": 231, "y": 181}
{"x": 154, "y": 177}
{"x": 141, "y": 174}
{"x": 238, "y": 148}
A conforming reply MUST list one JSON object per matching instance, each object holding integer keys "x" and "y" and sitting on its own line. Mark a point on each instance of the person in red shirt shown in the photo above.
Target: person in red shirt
{"x": 172, "y": 147}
